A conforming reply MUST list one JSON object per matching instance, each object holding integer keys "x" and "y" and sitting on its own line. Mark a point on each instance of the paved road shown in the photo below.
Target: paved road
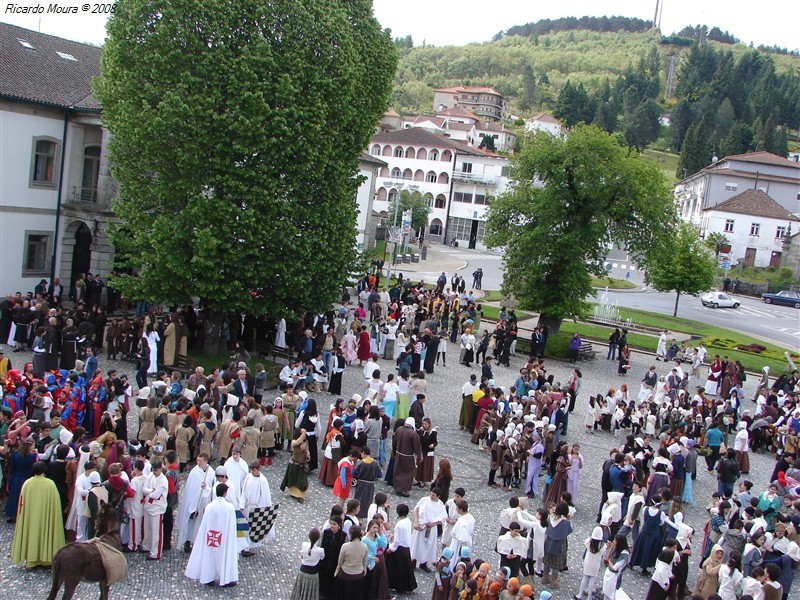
{"x": 777, "y": 324}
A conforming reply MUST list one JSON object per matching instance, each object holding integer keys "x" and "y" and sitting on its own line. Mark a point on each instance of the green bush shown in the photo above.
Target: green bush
{"x": 558, "y": 345}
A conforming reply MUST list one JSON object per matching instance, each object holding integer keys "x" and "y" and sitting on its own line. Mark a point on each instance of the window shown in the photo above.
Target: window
{"x": 434, "y": 155}
{"x": 91, "y": 174}
{"x": 728, "y": 225}
{"x": 466, "y": 167}
{"x": 398, "y": 152}
{"x": 392, "y": 195}
{"x": 504, "y": 172}
{"x": 396, "y": 174}
{"x": 780, "y": 232}
{"x": 731, "y": 187}
{"x": 755, "y": 228}
{"x": 37, "y": 253}
{"x": 45, "y": 157}
{"x": 430, "y": 177}
{"x": 375, "y": 151}
{"x": 440, "y": 201}
{"x": 436, "y": 227}
{"x": 480, "y": 199}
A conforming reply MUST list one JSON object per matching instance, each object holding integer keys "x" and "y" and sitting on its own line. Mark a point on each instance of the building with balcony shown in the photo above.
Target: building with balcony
{"x": 544, "y": 122}
{"x": 455, "y": 178}
{"x": 55, "y": 191}
{"x": 484, "y": 102}
{"x": 775, "y": 176}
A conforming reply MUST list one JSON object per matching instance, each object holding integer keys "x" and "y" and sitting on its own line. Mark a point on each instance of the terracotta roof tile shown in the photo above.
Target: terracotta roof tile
{"x": 458, "y": 112}
{"x": 546, "y": 118}
{"x": 417, "y": 136}
{"x": 765, "y": 158}
{"x": 41, "y": 74}
{"x": 755, "y": 203}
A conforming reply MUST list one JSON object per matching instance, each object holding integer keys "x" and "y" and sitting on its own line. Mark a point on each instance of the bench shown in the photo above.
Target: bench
{"x": 586, "y": 352}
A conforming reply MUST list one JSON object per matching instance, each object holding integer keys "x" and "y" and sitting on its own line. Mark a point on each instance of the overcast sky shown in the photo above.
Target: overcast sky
{"x": 443, "y": 22}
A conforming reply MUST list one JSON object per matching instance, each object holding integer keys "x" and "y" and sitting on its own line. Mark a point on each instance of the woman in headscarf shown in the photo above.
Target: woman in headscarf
{"x": 708, "y": 577}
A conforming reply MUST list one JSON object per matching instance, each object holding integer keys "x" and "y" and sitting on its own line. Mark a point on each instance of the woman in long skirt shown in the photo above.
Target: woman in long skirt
{"x": 403, "y": 395}
{"x": 428, "y": 441}
{"x": 296, "y": 477}
{"x": 332, "y": 540}
{"x": 349, "y": 585}
{"x": 555, "y": 545}
{"x": 574, "y": 472}
{"x": 337, "y": 369}
{"x": 365, "y": 473}
{"x": 559, "y": 483}
{"x": 306, "y": 584}
{"x": 332, "y": 454}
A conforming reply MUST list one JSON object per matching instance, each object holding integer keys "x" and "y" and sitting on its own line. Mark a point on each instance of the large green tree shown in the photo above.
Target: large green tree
{"x": 681, "y": 263}
{"x": 237, "y": 128}
{"x": 568, "y": 200}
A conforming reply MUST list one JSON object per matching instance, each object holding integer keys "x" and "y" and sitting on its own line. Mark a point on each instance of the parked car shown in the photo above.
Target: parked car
{"x": 784, "y": 297}
{"x": 719, "y": 300}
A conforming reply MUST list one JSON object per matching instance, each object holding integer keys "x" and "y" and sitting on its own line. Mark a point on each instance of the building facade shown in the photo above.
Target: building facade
{"x": 485, "y": 102}
{"x": 774, "y": 175}
{"x": 56, "y": 190}
{"x": 756, "y": 226}
{"x": 456, "y": 179}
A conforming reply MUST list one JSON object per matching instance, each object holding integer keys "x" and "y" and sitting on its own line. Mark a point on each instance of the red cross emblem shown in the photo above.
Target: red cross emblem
{"x": 213, "y": 538}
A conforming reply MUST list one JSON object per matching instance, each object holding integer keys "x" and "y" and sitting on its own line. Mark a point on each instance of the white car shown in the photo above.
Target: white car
{"x": 718, "y": 300}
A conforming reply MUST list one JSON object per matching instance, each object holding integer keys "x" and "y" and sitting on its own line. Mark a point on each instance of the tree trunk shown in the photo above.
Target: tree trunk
{"x": 553, "y": 324}
{"x": 214, "y": 342}
{"x": 677, "y": 297}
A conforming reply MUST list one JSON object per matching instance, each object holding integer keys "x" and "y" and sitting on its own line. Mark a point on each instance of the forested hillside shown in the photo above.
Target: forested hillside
{"x": 723, "y": 96}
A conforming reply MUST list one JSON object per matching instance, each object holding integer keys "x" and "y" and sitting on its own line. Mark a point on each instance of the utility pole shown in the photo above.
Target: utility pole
{"x": 655, "y": 16}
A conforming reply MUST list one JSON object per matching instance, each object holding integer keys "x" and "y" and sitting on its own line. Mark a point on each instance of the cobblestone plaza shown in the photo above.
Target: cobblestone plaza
{"x": 271, "y": 572}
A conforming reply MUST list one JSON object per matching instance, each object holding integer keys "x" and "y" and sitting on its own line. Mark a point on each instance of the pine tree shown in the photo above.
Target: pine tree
{"x": 695, "y": 153}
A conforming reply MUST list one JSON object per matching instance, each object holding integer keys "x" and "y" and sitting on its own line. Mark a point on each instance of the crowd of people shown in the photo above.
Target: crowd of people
{"x": 67, "y": 443}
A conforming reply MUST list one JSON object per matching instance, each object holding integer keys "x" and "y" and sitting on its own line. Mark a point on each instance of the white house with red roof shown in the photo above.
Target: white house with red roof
{"x": 755, "y": 224}
{"x": 544, "y": 122}
{"x": 777, "y": 177}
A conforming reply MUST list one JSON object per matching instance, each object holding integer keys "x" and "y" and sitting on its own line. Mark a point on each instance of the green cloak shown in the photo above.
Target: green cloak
{"x": 39, "y": 532}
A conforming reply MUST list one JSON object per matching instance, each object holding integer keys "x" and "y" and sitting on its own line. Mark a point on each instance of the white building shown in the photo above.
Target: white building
{"x": 772, "y": 174}
{"x": 485, "y": 102}
{"x": 455, "y": 178}
{"x": 368, "y": 167}
{"x": 544, "y": 122}
{"x": 55, "y": 188}
{"x": 754, "y": 223}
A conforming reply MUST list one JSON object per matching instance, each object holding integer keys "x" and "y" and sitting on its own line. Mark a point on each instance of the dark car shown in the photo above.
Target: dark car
{"x": 786, "y": 298}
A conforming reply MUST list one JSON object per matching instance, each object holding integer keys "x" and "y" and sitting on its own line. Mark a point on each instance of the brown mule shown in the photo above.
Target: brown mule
{"x": 81, "y": 561}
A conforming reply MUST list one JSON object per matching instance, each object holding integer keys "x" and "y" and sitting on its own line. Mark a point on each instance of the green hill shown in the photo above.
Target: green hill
{"x": 580, "y": 56}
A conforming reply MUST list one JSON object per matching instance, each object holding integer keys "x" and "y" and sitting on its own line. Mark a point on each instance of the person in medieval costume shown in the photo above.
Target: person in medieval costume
{"x": 196, "y": 496}
{"x": 428, "y": 515}
{"x": 39, "y": 532}
{"x": 256, "y": 505}
{"x": 214, "y": 554}
{"x": 407, "y": 452}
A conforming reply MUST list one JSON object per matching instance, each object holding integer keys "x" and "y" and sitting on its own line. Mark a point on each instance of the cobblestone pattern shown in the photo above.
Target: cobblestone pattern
{"x": 271, "y": 572}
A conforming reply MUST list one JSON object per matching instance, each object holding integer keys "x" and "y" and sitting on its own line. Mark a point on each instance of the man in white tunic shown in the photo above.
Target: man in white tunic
{"x": 461, "y": 536}
{"x": 661, "y": 348}
{"x": 196, "y": 496}
{"x": 214, "y": 555}
{"x": 429, "y": 513}
{"x": 237, "y": 470}
{"x": 255, "y": 494}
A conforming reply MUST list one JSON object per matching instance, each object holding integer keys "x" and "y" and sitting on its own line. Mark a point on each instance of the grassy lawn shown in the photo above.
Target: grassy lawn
{"x": 612, "y": 284}
{"x": 758, "y": 275}
{"x": 668, "y": 162}
{"x": 716, "y": 339}
{"x": 492, "y": 296}
{"x": 209, "y": 363}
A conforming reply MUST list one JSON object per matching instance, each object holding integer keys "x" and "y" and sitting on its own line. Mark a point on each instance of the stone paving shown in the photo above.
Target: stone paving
{"x": 271, "y": 572}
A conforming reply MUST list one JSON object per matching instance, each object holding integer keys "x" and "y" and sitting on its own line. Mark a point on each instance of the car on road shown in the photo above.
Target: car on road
{"x": 719, "y": 300}
{"x": 784, "y": 297}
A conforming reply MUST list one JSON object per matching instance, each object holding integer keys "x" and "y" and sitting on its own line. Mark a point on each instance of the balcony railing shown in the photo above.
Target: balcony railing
{"x": 474, "y": 178}
{"x": 84, "y": 195}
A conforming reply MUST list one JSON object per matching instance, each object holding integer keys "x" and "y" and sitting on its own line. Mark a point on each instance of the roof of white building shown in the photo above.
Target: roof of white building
{"x": 418, "y": 136}
{"x": 458, "y": 112}
{"x": 754, "y": 203}
{"x": 764, "y": 158}
{"x": 545, "y": 118}
{"x": 474, "y": 90}
{"x": 46, "y": 69}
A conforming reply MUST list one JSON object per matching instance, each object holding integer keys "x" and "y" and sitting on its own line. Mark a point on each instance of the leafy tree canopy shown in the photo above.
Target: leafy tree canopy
{"x": 237, "y": 130}
{"x": 568, "y": 199}
{"x": 681, "y": 263}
